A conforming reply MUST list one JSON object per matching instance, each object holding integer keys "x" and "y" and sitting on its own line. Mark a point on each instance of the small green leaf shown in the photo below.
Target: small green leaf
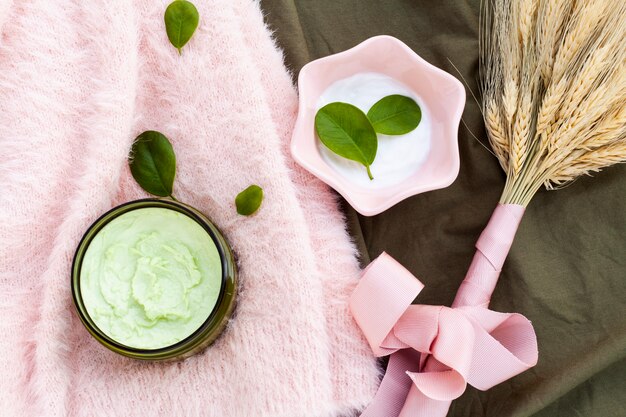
{"x": 249, "y": 200}
{"x": 345, "y": 130}
{"x": 181, "y": 21}
{"x": 395, "y": 115}
{"x": 153, "y": 163}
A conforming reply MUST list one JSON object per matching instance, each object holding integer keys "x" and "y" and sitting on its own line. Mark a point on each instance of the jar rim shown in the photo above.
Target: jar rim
{"x": 205, "y": 329}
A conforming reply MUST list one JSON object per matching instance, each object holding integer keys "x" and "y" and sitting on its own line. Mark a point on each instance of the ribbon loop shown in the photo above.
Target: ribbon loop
{"x": 505, "y": 346}
{"x": 377, "y": 306}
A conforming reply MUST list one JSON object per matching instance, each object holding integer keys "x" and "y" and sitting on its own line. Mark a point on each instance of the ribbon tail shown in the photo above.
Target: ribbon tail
{"x": 395, "y": 386}
{"x": 419, "y": 405}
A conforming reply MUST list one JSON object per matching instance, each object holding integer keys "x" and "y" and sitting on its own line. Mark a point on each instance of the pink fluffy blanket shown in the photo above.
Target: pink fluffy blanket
{"x": 78, "y": 81}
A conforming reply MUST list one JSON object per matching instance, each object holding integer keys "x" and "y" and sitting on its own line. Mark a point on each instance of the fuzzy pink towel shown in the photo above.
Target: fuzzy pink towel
{"x": 78, "y": 81}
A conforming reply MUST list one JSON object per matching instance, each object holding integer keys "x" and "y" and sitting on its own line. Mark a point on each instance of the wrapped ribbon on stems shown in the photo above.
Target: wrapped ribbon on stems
{"x": 435, "y": 350}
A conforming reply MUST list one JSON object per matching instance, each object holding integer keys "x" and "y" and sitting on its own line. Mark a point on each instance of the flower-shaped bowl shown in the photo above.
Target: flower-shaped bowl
{"x": 441, "y": 93}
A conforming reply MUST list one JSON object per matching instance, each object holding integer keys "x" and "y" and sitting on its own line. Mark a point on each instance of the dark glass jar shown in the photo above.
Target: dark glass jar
{"x": 218, "y": 317}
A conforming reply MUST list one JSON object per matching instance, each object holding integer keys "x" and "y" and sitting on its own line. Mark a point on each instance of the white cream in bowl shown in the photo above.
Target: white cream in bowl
{"x": 398, "y": 157}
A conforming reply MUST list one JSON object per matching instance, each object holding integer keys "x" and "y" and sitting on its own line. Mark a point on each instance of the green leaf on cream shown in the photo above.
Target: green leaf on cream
{"x": 249, "y": 200}
{"x": 181, "y": 20}
{"x": 153, "y": 163}
{"x": 345, "y": 130}
{"x": 395, "y": 115}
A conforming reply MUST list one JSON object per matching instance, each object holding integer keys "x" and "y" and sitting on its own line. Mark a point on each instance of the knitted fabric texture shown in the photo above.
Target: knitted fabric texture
{"x": 79, "y": 80}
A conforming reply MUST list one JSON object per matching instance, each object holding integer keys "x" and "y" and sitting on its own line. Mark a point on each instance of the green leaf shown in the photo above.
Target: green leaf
{"x": 181, "y": 21}
{"x": 395, "y": 115}
{"x": 345, "y": 130}
{"x": 153, "y": 163}
{"x": 249, "y": 200}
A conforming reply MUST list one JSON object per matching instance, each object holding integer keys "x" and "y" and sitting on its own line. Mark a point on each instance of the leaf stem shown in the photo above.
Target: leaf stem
{"x": 369, "y": 173}
{"x": 174, "y": 198}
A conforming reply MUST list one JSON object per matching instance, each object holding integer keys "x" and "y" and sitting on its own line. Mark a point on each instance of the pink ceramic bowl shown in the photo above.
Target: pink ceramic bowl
{"x": 443, "y": 94}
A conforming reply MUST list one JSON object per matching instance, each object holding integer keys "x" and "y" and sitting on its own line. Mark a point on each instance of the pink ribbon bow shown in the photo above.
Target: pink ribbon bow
{"x": 435, "y": 350}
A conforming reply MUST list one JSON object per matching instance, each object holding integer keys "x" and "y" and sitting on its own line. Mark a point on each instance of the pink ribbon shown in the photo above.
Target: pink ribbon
{"x": 435, "y": 350}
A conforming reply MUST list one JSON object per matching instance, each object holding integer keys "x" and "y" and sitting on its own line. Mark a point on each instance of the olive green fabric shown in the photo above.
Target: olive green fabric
{"x": 567, "y": 269}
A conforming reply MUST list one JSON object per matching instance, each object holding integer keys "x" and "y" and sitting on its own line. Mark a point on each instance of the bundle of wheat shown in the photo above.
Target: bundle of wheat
{"x": 553, "y": 76}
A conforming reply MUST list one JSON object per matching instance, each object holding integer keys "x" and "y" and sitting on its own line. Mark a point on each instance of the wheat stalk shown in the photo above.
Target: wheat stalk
{"x": 553, "y": 79}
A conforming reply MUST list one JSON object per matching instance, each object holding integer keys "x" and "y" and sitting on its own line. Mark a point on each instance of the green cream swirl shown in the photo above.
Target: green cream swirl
{"x": 150, "y": 278}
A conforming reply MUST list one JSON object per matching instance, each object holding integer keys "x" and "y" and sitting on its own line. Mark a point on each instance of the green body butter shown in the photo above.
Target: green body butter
{"x": 150, "y": 278}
